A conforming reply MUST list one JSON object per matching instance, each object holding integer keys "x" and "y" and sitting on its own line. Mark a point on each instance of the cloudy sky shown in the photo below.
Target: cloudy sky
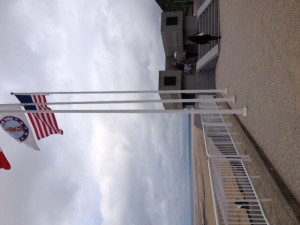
{"x": 105, "y": 169}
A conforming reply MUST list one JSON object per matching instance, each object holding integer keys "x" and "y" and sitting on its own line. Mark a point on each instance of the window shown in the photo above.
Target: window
{"x": 172, "y": 21}
{"x": 169, "y": 81}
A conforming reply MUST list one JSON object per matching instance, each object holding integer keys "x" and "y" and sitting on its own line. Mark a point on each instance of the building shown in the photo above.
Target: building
{"x": 176, "y": 26}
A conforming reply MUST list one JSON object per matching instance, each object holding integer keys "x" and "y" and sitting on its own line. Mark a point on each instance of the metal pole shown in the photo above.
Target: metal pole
{"x": 143, "y": 111}
{"x": 232, "y": 99}
{"x": 224, "y": 91}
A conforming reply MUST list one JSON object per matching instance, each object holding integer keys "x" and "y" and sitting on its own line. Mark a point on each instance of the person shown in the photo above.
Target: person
{"x": 183, "y": 55}
{"x": 202, "y": 38}
{"x": 180, "y": 55}
{"x": 183, "y": 66}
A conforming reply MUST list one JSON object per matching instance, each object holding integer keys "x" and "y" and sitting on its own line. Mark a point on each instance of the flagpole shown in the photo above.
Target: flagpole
{"x": 224, "y": 91}
{"x": 196, "y": 100}
{"x": 143, "y": 111}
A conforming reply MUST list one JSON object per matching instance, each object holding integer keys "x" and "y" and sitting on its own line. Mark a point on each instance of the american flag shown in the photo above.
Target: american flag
{"x": 44, "y": 124}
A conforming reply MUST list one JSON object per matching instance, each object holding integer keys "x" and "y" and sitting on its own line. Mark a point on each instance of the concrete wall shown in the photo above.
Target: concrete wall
{"x": 189, "y": 82}
{"x": 190, "y": 25}
{"x": 162, "y": 86}
{"x": 172, "y": 35}
{"x": 205, "y": 79}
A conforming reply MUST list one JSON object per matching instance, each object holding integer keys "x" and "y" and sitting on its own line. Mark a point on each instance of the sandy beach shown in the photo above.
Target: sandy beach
{"x": 203, "y": 205}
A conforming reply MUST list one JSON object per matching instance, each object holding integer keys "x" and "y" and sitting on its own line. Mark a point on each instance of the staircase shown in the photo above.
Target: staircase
{"x": 208, "y": 22}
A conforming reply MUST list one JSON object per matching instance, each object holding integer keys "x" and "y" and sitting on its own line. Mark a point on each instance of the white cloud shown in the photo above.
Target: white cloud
{"x": 105, "y": 169}
{"x": 140, "y": 172}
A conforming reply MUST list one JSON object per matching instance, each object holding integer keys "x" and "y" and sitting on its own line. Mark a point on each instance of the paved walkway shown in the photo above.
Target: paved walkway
{"x": 259, "y": 62}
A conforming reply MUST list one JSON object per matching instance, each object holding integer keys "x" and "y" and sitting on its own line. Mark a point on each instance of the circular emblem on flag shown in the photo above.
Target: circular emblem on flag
{"x": 15, "y": 127}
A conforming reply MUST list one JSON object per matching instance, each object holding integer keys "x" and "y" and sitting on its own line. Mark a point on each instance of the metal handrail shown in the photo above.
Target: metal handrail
{"x": 235, "y": 200}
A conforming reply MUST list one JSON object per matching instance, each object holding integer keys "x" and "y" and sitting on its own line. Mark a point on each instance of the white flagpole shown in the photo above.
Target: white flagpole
{"x": 152, "y": 111}
{"x": 224, "y": 91}
{"x": 230, "y": 99}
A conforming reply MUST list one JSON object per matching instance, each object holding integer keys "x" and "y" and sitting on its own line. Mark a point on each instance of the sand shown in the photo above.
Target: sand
{"x": 203, "y": 205}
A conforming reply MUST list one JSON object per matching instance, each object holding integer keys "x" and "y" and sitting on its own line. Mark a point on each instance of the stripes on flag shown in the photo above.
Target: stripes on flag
{"x": 4, "y": 164}
{"x": 44, "y": 124}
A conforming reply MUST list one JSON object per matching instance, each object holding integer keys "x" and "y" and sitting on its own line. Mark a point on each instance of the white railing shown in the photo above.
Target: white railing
{"x": 235, "y": 196}
{"x": 217, "y": 138}
{"x": 235, "y": 200}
